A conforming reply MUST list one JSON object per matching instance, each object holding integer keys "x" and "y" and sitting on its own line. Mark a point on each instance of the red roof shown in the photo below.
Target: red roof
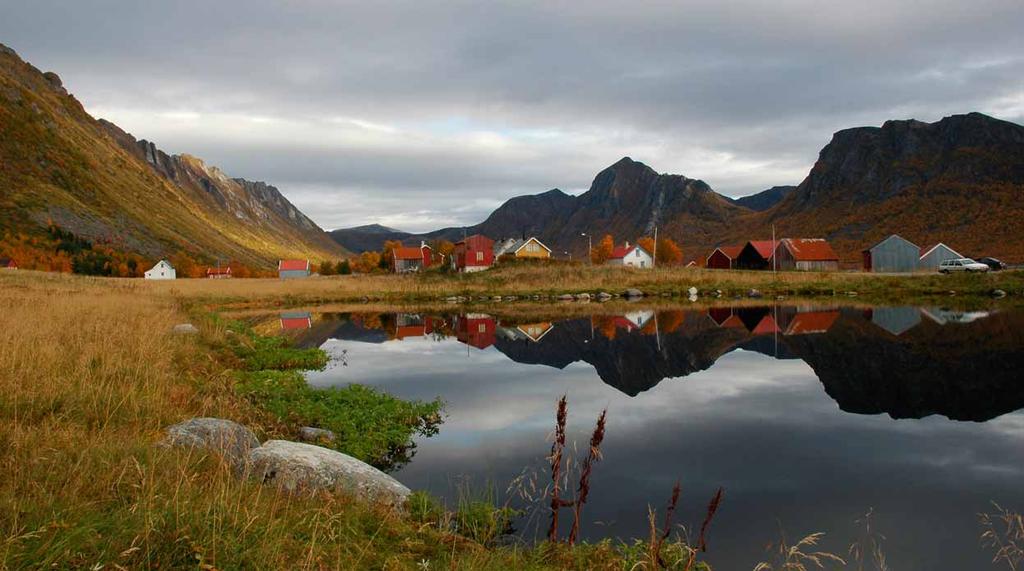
{"x": 218, "y": 271}
{"x": 767, "y": 325}
{"x": 408, "y": 253}
{"x": 292, "y": 265}
{"x": 812, "y": 322}
{"x": 623, "y": 251}
{"x": 810, "y": 249}
{"x": 731, "y": 252}
{"x": 764, "y": 247}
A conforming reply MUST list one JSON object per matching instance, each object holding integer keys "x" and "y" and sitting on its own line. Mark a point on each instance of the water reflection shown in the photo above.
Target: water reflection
{"x": 754, "y": 401}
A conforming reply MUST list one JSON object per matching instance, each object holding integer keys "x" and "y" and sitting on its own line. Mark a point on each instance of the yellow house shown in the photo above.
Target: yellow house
{"x": 528, "y": 248}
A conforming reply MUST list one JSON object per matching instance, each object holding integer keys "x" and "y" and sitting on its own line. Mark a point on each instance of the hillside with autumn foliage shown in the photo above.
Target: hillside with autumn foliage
{"x": 76, "y": 190}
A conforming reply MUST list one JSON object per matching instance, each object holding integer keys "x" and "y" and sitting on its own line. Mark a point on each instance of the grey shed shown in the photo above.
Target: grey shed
{"x": 935, "y": 255}
{"x": 894, "y": 254}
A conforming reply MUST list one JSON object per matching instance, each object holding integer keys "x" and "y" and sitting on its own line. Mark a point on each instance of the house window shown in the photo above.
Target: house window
{"x": 532, "y": 247}
{"x": 481, "y": 328}
{"x": 638, "y": 253}
{"x": 479, "y": 256}
{"x": 643, "y": 264}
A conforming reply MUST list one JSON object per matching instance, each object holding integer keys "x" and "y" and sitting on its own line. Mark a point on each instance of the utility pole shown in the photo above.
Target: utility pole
{"x": 774, "y": 267}
{"x": 654, "y": 258}
{"x": 590, "y": 247}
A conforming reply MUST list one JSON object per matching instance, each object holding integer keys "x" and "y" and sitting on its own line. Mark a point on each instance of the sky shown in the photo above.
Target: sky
{"x": 420, "y": 115}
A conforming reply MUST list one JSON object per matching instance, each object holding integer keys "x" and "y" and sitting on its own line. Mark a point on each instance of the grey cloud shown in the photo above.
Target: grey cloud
{"x": 740, "y": 94}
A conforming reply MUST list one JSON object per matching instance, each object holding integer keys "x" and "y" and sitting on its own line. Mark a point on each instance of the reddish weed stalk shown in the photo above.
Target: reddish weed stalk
{"x": 583, "y": 489}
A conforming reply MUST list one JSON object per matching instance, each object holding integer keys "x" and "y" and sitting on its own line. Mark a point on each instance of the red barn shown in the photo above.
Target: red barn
{"x": 724, "y": 257}
{"x": 476, "y": 330}
{"x": 8, "y": 264}
{"x": 218, "y": 273}
{"x": 473, "y": 253}
{"x": 806, "y": 254}
{"x": 755, "y": 255}
{"x": 412, "y": 259}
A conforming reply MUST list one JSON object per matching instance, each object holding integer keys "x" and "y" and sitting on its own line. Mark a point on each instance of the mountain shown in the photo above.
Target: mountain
{"x": 765, "y": 199}
{"x": 91, "y": 178}
{"x": 959, "y": 180}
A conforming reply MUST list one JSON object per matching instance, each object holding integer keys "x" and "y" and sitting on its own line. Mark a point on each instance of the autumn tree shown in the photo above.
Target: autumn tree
{"x": 327, "y": 268}
{"x": 387, "y": 254}
{"x": 442, "y": 251}
{"x": 603, "y": 250}
{"x": 345, "y": 267}
{"x": 667, "y": 252}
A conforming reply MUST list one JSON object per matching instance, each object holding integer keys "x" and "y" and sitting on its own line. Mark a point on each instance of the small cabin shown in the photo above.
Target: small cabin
{"x": 724, "y": 257}
{"x": 756, "y": 255}
{"x": 473, "y": 254}
{"x": 410, "y": 259}
{"x": 521, "y": 248}
{"x": 894, "y": 254}
{"x": 293, "y": 269}
{"x": 218, "y": 273}
{"x": 632, "y": 256}
{"x": 8, "y": 264}
{"x": 807, "y": 254}
{"x": 932, "y": 257}
{"x": 163, "y": 270}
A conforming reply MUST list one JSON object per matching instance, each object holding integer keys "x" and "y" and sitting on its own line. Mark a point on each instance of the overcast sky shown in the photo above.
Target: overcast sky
{"x": 425, "y": 114}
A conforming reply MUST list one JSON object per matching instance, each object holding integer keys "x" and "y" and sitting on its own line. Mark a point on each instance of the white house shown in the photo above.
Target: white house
{"x": 631, "y": 255}
{"x": 163, "y": 270}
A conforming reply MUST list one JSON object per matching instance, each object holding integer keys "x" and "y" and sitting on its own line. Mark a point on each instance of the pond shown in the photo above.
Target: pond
{"x": 809, "y": 417}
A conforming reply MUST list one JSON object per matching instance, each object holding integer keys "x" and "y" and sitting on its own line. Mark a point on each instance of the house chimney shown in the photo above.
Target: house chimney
{"x": 627, "y": 244}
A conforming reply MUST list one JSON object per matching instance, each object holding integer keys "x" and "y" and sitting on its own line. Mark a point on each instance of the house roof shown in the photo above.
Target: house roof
{"x": 2, "y": 262}
{"x": 409, "y": 253}
{"x": 764, "y": 248}
{"x": 886, "y": 239}
{"x": 623, "y": 251}
{"x": 810, "y": 249}
{"x": 516, "y": 245}
{"x": 218, "y": 271}
{"x": 730, "y": 252}
{"x": 925, "y": 253}
{"x": 7, "y": 262}
{"x": 292, "y": 265}
{"x": 812, "y": 322}
{"x": 766, "y": 325}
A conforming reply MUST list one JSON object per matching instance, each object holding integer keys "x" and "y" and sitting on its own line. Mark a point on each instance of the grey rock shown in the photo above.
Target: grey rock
{"x": 692, "y": 291}
{"x": 998, "y": 293}
{"x": 314, "y": 435}
{"x": 298, "y": 467}
{"x": 496, "y": 298}
{"x": 583, "y": 297}
{"x": 510, "y": 298}
{"x": 185, "y": 329}
{"x": 225, "y": 437}
{"x": 633, "y": 292}
{"x": 565, "y": 297}
{"x": 754, "y": 293}
{"x": 604, "y": 296}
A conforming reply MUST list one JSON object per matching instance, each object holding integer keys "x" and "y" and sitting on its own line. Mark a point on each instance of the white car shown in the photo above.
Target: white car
{"x": 962, "y": 265}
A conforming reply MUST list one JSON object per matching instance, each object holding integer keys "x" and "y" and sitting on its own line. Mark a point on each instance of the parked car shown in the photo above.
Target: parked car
{"x": 993, "y": 264}
{"x": 962, "y": 265}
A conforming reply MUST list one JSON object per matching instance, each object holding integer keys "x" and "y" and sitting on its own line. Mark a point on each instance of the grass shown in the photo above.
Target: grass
{"x": 526, "y": 281}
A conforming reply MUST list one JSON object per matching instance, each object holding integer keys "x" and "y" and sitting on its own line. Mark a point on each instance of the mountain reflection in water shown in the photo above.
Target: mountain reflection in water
{"x": 903, "y": 361}
{"x": 749, "y": 398}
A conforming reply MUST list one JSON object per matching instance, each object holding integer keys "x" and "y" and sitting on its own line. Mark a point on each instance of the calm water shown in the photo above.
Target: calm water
{"x": 808, "y": 417}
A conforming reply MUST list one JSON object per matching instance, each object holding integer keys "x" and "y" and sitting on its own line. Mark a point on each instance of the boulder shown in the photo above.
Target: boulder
{"x": 998, "y": 293}
{"x": 496, "y": 298}
{"x": 565, "y": 297}
{"x": 296, "y": 467}
{"x": 315, "y": 435}
{"x": 583, "y": 297}
{"x": 225, "y": 437}
{"x": 604, "y": 296}
{"x": 692, "y": 291}
{"x": 753, "y": 293}
{"x": 633, "y": 292}
{"x": 185, "y": 329}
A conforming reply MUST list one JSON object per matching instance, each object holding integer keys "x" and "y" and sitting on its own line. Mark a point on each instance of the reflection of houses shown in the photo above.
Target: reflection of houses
{"x": 809, "y": 254}
{"x": 895, "y": 320}
{"x": 532, "y": 332}
{"x": 755, "y": 255}
{"x": 476, "y": 329}
{"x": 770, "y": 320}
{"x": 524, "y": 248}
{"x": 894, "y": 254}
{"x": 634, "y": 319}
{"x": 412, "y": 259}
{"x": 724, "y": 257}
{"x": 413, "y": 325}
{"x": 944, "y": 316}
{"x": 811, "y": 322}
{"x": 932, "y": 257}
{"x": 296, "y": 320}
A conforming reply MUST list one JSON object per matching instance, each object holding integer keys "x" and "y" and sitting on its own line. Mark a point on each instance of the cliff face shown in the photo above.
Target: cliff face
{"x": 92, "y": 178}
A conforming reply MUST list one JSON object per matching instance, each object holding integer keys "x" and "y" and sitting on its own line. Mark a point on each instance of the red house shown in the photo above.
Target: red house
{"x": 8, "y": 264}
{"x": 476, "y": 330}
{"x": 723, "y": 257}
{"x": 756, "y": 255}
{"x": 473, "y": 254}
{"x": 218, "y": 273}
{"x": 410, "y": 259}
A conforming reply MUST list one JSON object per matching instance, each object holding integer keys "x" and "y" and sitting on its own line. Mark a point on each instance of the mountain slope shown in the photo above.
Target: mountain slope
{"x": 765, "y": 199}
{"x": 59, "y": 164}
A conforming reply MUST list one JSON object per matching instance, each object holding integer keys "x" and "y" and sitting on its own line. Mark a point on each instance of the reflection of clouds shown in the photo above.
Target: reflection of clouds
{"x": 763, "y": 428}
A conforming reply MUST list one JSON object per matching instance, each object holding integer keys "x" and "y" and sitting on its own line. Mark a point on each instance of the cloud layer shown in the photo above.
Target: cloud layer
{"x": 420, "y": 115}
